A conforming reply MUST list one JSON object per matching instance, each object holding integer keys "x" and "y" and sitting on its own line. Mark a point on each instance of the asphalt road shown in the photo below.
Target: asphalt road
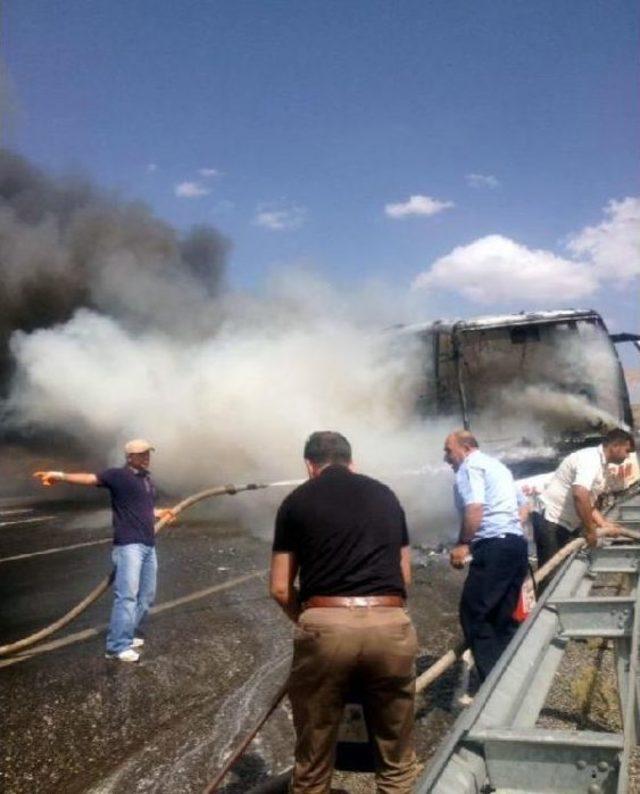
{"x": 217, "y": 651}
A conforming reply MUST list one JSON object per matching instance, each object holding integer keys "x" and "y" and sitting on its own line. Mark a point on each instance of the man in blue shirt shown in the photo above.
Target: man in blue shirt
{"x": 134, "y": 554}
{"x": 490, "y": 506}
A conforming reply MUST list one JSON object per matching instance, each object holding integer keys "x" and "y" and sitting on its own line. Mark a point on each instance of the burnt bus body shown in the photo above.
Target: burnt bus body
{"x": 532, "y": 386}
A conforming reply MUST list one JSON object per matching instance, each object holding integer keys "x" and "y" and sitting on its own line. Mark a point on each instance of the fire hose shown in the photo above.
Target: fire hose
{"x": 425, "y": 679}
{"x": 452, "y": 656}
{"x": 104, "y": 585}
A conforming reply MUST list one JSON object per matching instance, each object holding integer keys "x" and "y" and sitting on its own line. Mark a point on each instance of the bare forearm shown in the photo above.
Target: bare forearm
{"x": 405, "y": 565}
{"x": 289, "y": 603}
{"x": 471, "y": 522}
{"x": 589, "y": 518}
{"x": 284, "y": 568}
{"x": 52, "y": 477}
{"x": 586, "y": 513}
{"x": 600, "y": 520}
{"x": 80, "y": 478}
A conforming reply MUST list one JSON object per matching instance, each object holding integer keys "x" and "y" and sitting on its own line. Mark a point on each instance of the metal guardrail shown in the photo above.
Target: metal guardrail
{"x": 495, "y": 745}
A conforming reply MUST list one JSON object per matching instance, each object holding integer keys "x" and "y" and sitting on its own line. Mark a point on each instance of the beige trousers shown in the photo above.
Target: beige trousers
{"x": 376, "y": 647}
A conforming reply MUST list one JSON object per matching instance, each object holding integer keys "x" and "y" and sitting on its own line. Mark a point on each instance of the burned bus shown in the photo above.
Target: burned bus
{"x": 532, "y": 386}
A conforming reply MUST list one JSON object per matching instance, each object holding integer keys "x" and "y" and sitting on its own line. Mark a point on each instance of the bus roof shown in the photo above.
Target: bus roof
{"x": 501, "y": 320}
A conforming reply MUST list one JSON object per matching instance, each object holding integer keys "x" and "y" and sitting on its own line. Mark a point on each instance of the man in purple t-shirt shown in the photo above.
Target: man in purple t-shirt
{"x": 133, "y": 496}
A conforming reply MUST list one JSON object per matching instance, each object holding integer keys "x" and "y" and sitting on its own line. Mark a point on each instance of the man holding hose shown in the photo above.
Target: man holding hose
{"x": 133, "y": 496}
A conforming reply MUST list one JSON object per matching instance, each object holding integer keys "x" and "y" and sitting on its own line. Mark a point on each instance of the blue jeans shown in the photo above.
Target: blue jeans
{"x": 134, "y": 590}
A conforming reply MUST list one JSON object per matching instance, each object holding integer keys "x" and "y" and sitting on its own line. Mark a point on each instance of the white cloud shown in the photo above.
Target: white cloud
{"x": 190, "y": 190}
{"x": 613, "y": 246}
{"x": 417, "y": 205}
{"x": 208, "y": 173}
{"x": 495, "y": 269}
{"x": 482, "y": 180}
{"x": 151, "y": 167}
{"x": 279, "y": 219}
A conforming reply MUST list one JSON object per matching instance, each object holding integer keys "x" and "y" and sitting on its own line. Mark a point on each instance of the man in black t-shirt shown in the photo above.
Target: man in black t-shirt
{"x": 346, "y": 536}
{"x": 133, "y": 496}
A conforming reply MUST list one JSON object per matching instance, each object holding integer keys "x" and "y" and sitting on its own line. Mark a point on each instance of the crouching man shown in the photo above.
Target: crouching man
{"x": 346, "y": 535}
{"x": 570, "y": 496}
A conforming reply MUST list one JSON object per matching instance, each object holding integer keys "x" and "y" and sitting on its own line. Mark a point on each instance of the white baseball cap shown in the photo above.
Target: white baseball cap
{"x": 138, "y": 445}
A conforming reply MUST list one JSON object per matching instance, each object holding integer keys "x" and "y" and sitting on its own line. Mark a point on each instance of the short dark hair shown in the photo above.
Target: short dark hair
{"x": 325, "y": 446}
{"x": 619, "y": 436}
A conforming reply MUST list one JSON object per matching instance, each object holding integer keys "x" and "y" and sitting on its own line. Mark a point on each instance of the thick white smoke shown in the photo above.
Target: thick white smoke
{"x": 237, "y": 406}
{"x": 119, "y": 326}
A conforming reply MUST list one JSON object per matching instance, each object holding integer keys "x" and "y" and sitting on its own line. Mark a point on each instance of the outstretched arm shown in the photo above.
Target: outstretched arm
{"x": 48, "y": 478}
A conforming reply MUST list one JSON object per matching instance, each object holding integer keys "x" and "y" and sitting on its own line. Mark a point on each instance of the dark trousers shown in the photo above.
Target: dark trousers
{"x": 549, "y": 537}
{"x": 489, "y": 597}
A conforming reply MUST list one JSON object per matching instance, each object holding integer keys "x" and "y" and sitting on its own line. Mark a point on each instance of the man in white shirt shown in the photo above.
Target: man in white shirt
{"x": 570, "y": 497}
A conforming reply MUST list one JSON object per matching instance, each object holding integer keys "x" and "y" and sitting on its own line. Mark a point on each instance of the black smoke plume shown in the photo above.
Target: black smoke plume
{"x": 65, "y": 244}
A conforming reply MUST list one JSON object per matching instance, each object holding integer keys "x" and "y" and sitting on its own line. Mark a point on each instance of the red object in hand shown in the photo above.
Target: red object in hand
{"x": 526, "y": 601}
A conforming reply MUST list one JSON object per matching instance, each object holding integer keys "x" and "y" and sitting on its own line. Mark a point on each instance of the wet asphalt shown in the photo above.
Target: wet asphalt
{"x": 217, "y": 651}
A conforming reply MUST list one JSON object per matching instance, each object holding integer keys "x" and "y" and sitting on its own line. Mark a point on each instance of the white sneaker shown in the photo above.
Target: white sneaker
{"x": 128, "y": 655}
{"x": 138, "y": 642}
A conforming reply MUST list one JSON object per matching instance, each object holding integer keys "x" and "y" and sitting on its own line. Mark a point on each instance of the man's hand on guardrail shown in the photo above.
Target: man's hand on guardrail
{"x": 592, "y": 536}
{"x": 611, "y": 530}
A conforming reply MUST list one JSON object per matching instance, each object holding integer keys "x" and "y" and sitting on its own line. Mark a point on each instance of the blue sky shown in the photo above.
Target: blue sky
{"x": 318, "y": 115}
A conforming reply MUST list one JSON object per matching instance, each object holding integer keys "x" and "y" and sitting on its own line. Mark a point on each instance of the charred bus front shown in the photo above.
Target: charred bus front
{"x": 533, "y": 386}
